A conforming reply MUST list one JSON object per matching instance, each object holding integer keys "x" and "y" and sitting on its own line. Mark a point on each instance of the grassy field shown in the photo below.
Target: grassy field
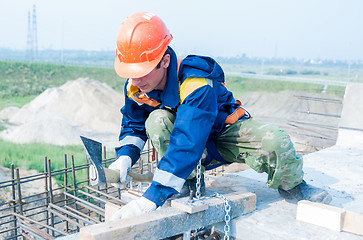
{"x": 31, "y": 156}
{"x": 21, "y": 82}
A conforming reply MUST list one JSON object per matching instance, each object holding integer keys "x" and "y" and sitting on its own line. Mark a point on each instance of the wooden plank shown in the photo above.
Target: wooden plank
{"x": 353, "y": 222}
{"x": 169, "y": 221}
{"x": 320, "y": 214}
{"x": 334, "y": 218}
{"x": 189, "y": 206}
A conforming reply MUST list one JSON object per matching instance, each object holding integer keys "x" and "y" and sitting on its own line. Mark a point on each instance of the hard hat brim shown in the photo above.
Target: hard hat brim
{"x": 135, "y": 70}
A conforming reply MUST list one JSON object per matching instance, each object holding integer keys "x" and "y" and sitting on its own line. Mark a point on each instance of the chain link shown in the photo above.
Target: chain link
{"x": 199, "y": 176}
{"x": 227, "y": 217}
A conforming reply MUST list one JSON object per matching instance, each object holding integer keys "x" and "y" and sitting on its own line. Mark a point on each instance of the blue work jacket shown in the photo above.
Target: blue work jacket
{"x": 196, "y": 94}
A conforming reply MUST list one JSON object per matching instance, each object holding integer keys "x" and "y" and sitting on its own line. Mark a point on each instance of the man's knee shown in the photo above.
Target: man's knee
{"x": 159, "y": 119}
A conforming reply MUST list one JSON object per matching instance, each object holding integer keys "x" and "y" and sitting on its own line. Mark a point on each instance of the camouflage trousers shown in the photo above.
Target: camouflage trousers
{"x": 263, "y": 147}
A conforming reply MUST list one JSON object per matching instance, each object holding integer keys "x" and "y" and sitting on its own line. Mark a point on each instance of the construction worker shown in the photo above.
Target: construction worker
{"x": 189, "y": 115}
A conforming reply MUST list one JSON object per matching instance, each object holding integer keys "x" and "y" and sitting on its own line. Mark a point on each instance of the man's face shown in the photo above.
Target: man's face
{"x": 156, "y": 79}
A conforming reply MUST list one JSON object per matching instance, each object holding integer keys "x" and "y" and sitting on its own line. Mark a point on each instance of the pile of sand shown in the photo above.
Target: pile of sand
{"x": 60, "y": 115}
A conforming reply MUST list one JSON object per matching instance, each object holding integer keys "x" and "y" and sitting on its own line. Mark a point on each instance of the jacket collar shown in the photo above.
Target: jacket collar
{"x": 169, "y": 97}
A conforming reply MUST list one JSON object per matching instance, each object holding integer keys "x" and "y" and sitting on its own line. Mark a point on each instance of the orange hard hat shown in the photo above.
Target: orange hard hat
{"x": 141, "y": 43}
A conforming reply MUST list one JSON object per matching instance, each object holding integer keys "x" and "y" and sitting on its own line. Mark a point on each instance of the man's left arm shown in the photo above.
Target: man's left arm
{"x": 194, "y": 120}
{"x": 193, "y": 123}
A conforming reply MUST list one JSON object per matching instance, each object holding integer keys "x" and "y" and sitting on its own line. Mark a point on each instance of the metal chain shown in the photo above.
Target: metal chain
{"x": 227, "y": 217}
{"x": 199, "y": 176}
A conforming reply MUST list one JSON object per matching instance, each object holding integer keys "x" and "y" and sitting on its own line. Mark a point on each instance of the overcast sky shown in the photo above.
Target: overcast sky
{"x": 283, "y": 28}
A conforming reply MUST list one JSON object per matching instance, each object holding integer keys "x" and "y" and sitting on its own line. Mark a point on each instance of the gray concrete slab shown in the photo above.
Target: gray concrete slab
{"x": 350, "y": 133}
{"x": 337, "y": 169}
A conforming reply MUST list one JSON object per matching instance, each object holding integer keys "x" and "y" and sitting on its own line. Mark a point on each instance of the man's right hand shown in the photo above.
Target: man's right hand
{"x": 122, "y": 164}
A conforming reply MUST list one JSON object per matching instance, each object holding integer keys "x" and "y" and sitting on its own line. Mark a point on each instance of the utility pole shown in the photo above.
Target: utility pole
{"x": 29, "y": 40}
{"x": 32, "y": 37}
{"x": 35, "y": 33}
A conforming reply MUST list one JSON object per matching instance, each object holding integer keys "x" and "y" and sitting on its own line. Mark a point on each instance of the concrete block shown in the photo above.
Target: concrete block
{"x": 320, "y": 214}
{"x": 350, "y": 132}
{"x": 189, "y": 206}
{"x": 352, "y": 112}
{"x": 169, "y": 221}
{"x": 350, "y": 138}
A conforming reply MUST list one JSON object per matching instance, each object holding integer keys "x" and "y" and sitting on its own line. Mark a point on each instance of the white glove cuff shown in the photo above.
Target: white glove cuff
{"x": 122, "y": 164}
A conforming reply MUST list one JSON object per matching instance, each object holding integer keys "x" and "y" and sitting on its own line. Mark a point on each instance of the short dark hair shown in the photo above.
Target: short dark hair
{"x": 168, "y": 51}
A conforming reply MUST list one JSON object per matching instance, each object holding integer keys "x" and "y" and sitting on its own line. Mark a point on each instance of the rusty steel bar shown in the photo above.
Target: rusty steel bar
{"x": 40, "y": 224}
{"x": 148, "y": 152}
{"x": 34, "y": 231}
{"x": 106, "y": 195}
{"x": 92, "y": 206}
{"x": 320, "y": 114}
{"x": 65, "y": 186}
{"x": 317, "y": 125}
{"x": 19, "y": 191}
{"x": 132, "y": 192}
{"x": 65, "y": 218}
{"x": 26, "y": 236}
{"x": 319, "y": 99}
{"x": 74, "y": 175}
{"x": 69, "y": 213}
{"x": 141, "y": 165}
{"x": 314, "y": 136}
{"x": 8, "y": 230}
{"x": 46, "y": 189}
{"x": 80, "y": 213}
{"x": 51, "y": 199}
{"x": 98, "y": 198}
{"x": 74, "y": 183}
{"x": 14, "y": 197}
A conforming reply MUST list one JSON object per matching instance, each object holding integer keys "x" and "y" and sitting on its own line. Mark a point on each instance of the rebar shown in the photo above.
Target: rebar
{"x": 319, "y": 99}
{"x": 321, "y": 114}
{"x": 13, "y": 195}
{"x": 38, "y": 223}
{"x": 35, "y": 232}
{"x": 69, "y": 213}
{"x": 65, "y": 186}
{"x": 106, "y": 195}
{"x": 89, "y": 205}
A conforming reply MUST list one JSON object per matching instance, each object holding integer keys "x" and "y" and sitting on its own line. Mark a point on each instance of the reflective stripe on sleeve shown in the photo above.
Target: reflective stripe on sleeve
{"x": 168, "y": 179}
{"x": 138, "y": 142}
{"x": 209, "y": 82}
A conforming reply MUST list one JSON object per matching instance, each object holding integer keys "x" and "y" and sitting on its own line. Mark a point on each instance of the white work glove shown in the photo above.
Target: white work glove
{"x": 134, "y": 208}
{"x": 123, "y": 164}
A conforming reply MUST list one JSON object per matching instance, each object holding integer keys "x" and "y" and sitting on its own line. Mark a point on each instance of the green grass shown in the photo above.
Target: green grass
{"x": 16, "y": 101}
{"x": 30, "y": 79}
{"x": 31, "y": 156}
{"x": 239, "y": 86}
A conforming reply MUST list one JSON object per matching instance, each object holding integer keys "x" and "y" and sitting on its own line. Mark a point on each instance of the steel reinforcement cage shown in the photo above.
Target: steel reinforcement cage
{"x": 60, "y": 209}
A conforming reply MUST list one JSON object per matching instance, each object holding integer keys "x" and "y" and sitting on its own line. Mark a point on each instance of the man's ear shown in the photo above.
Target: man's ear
{"x": 166, "y": 61}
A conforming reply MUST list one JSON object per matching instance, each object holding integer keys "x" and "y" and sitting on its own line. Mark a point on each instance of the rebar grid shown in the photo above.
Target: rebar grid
{"x": 61, "y": 209}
